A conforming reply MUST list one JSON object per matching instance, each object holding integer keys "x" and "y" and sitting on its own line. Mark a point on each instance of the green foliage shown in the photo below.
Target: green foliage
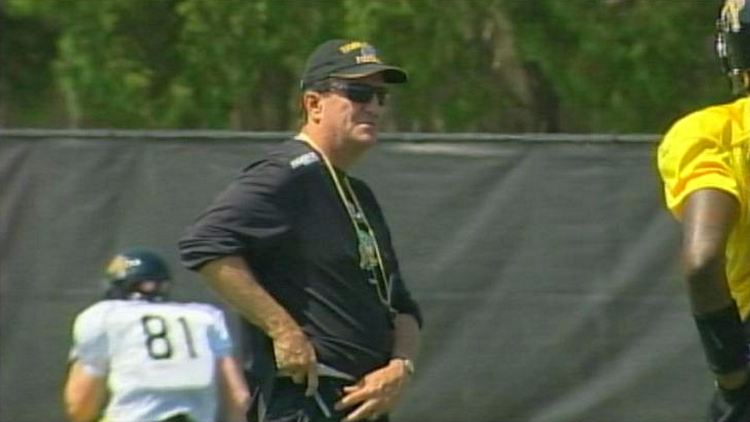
{"x": 474, "y": 65}
{"x": 630, "y": 65}
{"x": 25, "y": 75}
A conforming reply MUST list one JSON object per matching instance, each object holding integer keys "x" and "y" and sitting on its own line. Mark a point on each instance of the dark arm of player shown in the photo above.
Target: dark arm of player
{"x": 236, "y": 283}
{"x": 707, "y": 220}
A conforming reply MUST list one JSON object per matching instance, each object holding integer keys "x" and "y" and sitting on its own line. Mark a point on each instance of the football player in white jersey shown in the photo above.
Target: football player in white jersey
{"x": 149, "y": 359}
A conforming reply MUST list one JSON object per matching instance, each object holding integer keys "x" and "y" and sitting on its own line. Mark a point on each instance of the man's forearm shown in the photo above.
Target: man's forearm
{"x": 235, "y": 282}
{"x": 293, "y": 351}
{"x": 407, "y": 337}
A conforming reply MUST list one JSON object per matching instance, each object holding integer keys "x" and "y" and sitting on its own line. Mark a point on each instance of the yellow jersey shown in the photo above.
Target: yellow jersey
{"x": 710, "y": 148}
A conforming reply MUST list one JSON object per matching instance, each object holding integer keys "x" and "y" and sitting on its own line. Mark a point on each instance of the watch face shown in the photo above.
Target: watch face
{"x": 409, "y": 365}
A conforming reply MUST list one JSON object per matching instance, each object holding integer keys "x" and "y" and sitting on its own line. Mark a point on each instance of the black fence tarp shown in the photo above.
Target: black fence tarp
{"x": 546, "y": 265}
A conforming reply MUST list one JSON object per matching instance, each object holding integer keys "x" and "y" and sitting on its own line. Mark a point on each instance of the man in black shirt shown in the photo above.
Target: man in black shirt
{"x": 302, "y": 250}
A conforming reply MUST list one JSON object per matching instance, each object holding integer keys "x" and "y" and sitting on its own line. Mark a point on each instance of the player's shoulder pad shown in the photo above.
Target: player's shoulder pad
{"x": 711, "y": 120}
{"x": 95, "y": 314}
{"x": 102, "y": 307}
{"x": 206, "y": 308}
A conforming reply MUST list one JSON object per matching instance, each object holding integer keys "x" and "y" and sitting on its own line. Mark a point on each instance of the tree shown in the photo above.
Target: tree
{"x": 475, "y": 65}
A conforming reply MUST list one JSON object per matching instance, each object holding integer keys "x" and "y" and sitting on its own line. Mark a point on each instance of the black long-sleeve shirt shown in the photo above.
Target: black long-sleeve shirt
{"x": 284, "y": 216}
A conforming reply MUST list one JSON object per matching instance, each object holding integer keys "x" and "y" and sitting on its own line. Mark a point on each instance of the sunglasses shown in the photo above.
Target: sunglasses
{"x": 359, "y": 92}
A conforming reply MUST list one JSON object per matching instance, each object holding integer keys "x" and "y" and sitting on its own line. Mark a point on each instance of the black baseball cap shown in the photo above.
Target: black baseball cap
{"x": 347, "y": 59}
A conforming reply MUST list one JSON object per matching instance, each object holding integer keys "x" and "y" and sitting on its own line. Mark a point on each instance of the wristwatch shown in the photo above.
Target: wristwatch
{"x": 408, "y": 365}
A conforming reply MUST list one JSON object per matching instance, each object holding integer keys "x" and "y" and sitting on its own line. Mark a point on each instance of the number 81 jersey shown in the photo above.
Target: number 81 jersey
{"x": 141, "y": 345}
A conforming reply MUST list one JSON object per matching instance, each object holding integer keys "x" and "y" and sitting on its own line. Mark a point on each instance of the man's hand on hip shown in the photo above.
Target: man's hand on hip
{"x": 295, "y": 357}
{"x": 376, "y": 393}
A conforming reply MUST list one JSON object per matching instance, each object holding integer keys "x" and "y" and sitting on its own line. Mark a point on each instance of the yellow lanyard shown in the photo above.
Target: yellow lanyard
{"x": 370, "y": 259}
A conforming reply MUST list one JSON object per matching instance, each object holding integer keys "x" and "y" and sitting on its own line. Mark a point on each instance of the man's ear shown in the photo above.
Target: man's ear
{"x": 312, "y": 104}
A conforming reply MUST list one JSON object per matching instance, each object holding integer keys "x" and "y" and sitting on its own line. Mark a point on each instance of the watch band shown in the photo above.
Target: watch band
{"x": 408, "y": 364}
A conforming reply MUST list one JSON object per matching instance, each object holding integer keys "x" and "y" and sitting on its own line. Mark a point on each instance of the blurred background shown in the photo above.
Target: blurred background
{"x": 517, "y": 172}
{"x": 603, "y": 66}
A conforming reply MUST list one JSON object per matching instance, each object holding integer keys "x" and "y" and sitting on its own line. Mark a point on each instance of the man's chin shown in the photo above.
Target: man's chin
{"x": 369, "y": 142}
{"x": 367, "y": 137}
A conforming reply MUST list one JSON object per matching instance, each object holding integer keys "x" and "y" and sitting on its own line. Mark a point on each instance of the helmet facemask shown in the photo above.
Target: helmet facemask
{"x": 733, "y": 44}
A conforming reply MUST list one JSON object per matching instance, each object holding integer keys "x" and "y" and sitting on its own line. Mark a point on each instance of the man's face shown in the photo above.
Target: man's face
{"x": 346, "y": 116}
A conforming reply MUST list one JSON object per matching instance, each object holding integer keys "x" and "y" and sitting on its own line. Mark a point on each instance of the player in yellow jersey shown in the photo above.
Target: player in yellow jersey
{"x": 704, "y": 162}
